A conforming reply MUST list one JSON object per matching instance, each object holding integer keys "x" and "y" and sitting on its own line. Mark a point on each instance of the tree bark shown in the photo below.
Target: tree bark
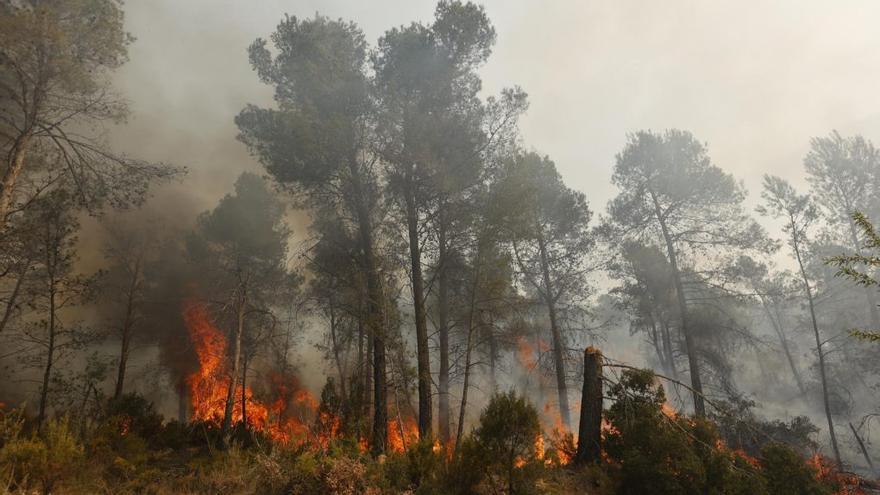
{"x": 226, "y": 426}
{"x": 127, "y": 328}
{"x": 375, "y": 314}
{"x": 863, "y": 449}
{"x": 558, "y": 344}
{"x": 15, "y": 164}
{"x": 467, "y": 354}
{"x": 50, "y": 350}
{"x": 809, "y": 291}
{"x": 443, "y": 412}
{"x": 10, "y": 304}
{"x": 418, "y": 293}
{"x": 690, "y": 345}
{"x": 589, "y": 449}
{"x": 777, "y": 327}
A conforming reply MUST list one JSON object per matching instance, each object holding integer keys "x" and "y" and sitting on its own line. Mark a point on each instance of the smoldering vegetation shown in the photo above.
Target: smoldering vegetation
{"x": 399, "y": 294}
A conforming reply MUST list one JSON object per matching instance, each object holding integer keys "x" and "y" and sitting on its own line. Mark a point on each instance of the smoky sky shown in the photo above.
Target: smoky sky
{"x": 754, "y": 80}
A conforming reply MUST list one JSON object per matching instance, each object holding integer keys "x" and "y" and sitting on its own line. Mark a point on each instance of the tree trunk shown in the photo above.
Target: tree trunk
{"x": 443, "y": 412}
{"x": 690, "y": 345}
{"x": 182, "y": 402}
{"x": 493, "y": 356}
{"x": 335, "y": 344}
{"x": 226, "y": 426}
{"x": 777, "y": 327}
{"x": 50, "y": 349}
{"x": 821, "y": 353}
{"x": 376, "y": 313}
{"x": 558, "y": 344}
{"x": 244, "y": 367}
{"x": 863, "y": 449}
{"x": 467, "y": 353}
{"x": 127, "y": 327}
{"x": 418, "y": 293}
{"x": 10, "y": 304}
{"x": 667, "y": 347}
{"x": 15, "y": 164}
{"x": 589, "y": 448}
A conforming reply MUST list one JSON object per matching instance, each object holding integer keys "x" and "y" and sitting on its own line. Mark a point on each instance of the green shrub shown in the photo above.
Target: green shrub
{"x": 50, "y": 455}
{"x": 505, "y": 437}
{"x": 787, "y": 473}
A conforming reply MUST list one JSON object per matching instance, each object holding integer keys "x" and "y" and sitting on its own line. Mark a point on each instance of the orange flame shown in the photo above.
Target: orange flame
{"x": 209, "y": 386}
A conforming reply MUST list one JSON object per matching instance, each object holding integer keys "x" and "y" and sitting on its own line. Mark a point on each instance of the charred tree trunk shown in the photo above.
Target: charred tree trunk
{"x": 418, "y": 293}
{"x": 334, "y": 343}
{"x": 589, "y": 449}
{"x": 690, "y": 345}
{"x": 443, "y": 330}
{"x": 558, "y": 344}
{"x": 50, "y": 354}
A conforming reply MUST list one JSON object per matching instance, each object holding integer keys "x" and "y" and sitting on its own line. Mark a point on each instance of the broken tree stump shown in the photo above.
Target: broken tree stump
{"x": 589, "y": 448}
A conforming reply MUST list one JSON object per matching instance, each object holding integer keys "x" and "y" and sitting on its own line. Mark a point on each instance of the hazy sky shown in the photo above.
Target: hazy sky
{"x": 755, "y": 80}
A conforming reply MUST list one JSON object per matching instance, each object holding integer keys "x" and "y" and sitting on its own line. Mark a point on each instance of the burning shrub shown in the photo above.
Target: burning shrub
{"x": 787, "y": 473}
{"x": 132, "y": 413}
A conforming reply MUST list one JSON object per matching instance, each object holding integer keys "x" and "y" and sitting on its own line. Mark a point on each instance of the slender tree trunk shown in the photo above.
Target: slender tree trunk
{"x": 443, "y": 412}
{"x": 819, "y": 351}
{"x": 493, "y": 356}
{"x": 467, "y": 353}
{"x": 50, "y": 350}
{"x": 862, "y": 448}
{"x": 667, "y": 347}
{"x": 182, "y": 402}
{"x": 16, "y": 290}
{"x": 244, "y": 367}
{"x": 777, "y": 327}
{"x": 375, "y": 314}
{"x": 690, "y": 345}
{"x": 589, "y": 448}
{"x": 15, "y": 164}
{"x": 226, "y": 426}
{"x": 335, "y": 344}
{"x": 418, "y": 293}
{"x": 127, "y": 328}
{"x": 558, "y": 344}
{"x": 870, "y": 294}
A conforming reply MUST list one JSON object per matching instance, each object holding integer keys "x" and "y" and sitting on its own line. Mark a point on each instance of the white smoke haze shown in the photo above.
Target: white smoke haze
{"x": 753, "y": 80}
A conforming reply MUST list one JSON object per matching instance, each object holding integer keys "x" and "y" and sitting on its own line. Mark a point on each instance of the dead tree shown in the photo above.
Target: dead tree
{"x": 589, "y": 447}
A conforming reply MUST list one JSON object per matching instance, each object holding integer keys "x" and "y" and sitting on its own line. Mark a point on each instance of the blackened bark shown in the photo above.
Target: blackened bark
{"x": 589, "y": 449}
{"x": 418, "y": 293}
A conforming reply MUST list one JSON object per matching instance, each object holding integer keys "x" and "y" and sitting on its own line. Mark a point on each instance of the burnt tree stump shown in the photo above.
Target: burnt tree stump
{"x": 589, "y": 448}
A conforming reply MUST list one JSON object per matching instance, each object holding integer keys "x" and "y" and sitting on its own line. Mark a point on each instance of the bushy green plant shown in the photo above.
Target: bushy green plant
{"x": 505, "y": 436}
{"x": 787, "y": 473}
{"x": 45, "y": 458}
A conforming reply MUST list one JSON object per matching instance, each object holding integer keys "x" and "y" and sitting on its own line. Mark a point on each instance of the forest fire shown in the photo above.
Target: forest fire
{"x": 209, "y": 386}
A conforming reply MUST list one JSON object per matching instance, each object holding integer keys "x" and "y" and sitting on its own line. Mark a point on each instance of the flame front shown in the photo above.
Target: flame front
{"x": 284, "y": 420}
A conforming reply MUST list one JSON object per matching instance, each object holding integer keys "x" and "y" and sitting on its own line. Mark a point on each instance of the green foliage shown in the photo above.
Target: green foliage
{"x": 505, "y": 437}
{"x": 859, "y": 267}
{"x": 46, "y": 457}
{"x": 787, "y": 473}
